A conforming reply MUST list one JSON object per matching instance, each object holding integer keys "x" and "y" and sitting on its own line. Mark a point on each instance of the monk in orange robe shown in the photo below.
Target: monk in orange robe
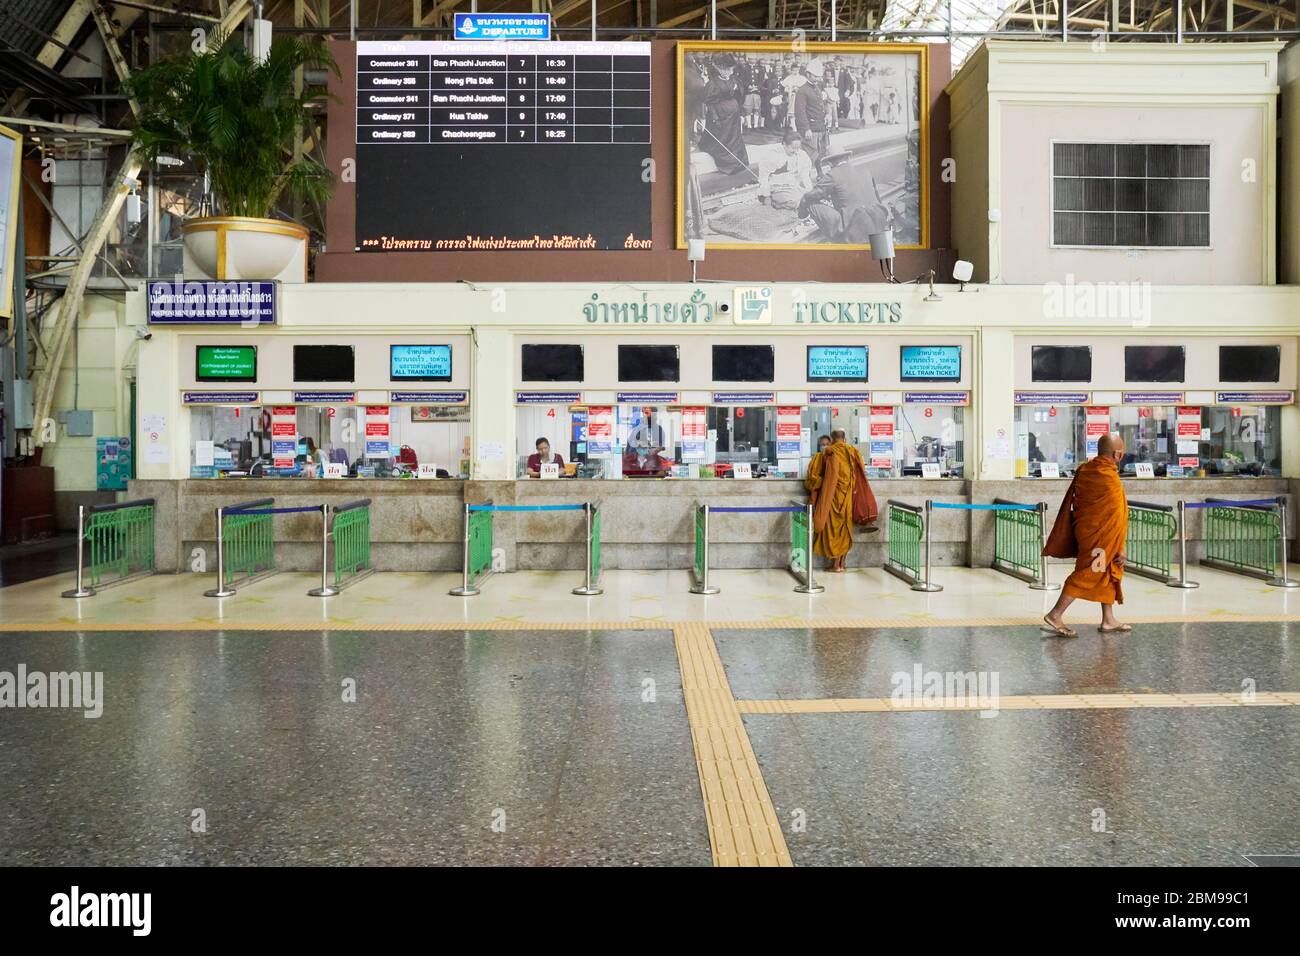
{"x": 1094, "y": 534}
{"x": 830, "y": 487}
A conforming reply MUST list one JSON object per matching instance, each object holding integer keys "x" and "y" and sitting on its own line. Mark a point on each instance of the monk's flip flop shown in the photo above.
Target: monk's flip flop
{"x": 1122, "y": 629}
{"x": 1061, "y": 631}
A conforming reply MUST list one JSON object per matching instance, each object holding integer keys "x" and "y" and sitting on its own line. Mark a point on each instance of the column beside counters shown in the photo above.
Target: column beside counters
{"x": 417, "y": 525}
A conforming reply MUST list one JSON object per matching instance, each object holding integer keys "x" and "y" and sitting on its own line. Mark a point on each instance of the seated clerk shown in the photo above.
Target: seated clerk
{"x": 543, "y": 457}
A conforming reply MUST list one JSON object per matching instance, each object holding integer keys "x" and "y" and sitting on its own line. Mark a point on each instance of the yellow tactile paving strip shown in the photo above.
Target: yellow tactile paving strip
{"x": 879, "y": 705}
{"x": 743, "y": 828}
{"x": 636, "y": 624}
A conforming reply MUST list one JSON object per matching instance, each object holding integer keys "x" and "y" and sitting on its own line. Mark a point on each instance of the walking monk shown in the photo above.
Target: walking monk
{"x": 830, "y": 482}
{"x": 1094, "y": 535}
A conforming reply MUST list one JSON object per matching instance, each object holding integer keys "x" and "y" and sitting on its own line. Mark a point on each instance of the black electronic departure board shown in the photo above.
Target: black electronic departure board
{"x": 502, "y": 145}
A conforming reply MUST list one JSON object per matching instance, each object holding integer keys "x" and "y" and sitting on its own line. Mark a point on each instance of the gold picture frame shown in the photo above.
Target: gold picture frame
{"x": 811, "y": 50}
{"x": 9, "y": 230}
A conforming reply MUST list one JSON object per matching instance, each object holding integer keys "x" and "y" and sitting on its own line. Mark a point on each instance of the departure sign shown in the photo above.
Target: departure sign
{"x": 502, "y": 145}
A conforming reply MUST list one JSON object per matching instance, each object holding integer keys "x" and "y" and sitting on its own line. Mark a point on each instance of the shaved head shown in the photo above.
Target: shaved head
{"x": 1109, "y": 445}
{"x": 838, "y": 434}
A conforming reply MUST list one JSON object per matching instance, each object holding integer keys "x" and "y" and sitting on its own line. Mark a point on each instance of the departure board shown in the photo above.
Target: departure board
{"x": 505, "y": 145}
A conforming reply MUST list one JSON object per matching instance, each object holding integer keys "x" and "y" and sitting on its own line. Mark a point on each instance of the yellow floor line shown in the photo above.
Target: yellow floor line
{"x": 743, "y": 828}
{"x": 881, "y": 705}
{"x": 640, "y": 624}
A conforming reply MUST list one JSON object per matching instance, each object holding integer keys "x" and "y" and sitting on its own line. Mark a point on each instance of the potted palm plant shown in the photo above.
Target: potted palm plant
{"x": 236, "y": 118}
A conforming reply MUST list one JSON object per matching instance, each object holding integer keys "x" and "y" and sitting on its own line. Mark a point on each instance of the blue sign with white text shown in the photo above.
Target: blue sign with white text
{"x": 503, "y": 26}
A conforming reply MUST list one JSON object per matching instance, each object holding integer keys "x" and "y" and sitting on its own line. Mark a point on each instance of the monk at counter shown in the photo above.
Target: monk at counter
{"x": 837, "y": 486}
{"x": 1092, "y": 527}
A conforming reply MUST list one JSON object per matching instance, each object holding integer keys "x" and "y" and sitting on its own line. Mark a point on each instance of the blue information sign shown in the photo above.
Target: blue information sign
{"x": 931, "y": 363}
{"x": 503, "y": 26}
{"x": 210, "y": 302}
{"x": 837, "y": 363}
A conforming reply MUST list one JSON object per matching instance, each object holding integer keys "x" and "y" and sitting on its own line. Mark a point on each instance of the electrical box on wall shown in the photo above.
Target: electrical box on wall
{"x": 80, "y": 423}
{"x": 24, "y": 410}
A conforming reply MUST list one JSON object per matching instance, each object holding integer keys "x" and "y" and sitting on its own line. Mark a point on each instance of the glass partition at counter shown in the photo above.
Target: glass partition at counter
{"x": 377, "y": 441}
{"x": 1214, "y": 440}
{"x": 652, "y": 441}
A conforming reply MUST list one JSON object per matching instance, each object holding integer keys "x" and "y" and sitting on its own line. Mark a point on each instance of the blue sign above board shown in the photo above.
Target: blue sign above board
{"x": 208, "y": 302}
{"x": 839, "y": 398}
{"x": 324, "y": 398}
{"x": 428, "y": 398}
{"x": 548, "y": 398}
{"x": 220, "y": 398}
{"x": 1052, "y": 398}
{"x": 503, "y": 26}
{"x": 641, "y": 398}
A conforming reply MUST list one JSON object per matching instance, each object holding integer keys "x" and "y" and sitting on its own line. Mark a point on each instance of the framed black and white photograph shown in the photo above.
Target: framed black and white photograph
{"x": 808, "y": 145}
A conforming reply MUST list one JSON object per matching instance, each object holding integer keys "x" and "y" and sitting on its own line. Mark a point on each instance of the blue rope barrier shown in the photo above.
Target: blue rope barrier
{"x": 526, "y": 507}
{"x": 1253, "y": 503}
{"x": 966, "y": 507}
{"x": 273, "y": 511}
{"x": 771, "y": 510}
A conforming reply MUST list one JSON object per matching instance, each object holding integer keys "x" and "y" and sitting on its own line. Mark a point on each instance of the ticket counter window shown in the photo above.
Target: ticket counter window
{"x": 744, "y": 434}
{"x": 1149, "y": 435}
{"x": 227, "y": 440}
{"x": 1048, "y": 434}
{"x": 931, "y": 434}
{"x": 1243, "y": 440}
{"x": 328, "y": 435}
{"x": 436, "y": 435}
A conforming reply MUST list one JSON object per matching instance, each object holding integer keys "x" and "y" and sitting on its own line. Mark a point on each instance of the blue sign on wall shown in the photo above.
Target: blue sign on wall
{"x": 210, "y": 302}
{"x": 503, "y": 26}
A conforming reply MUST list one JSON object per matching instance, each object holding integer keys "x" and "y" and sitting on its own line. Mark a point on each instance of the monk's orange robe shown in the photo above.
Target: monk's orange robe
{"x": 1100, "y": 528}
{"x": 830, "y": 482}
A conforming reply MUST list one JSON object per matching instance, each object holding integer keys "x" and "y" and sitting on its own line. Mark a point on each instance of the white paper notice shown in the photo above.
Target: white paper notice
{"x": 551, "y": 470}
{"x": 1188, "y": 447}
{"x": 997, "y": 450}
{"x": 427, "y": 471}
{"x": 334, "y": 469}
{"x": 154, "y": 423}
{"x": 203, "y": 453}
{"x": 157, "y": 453}
{"x": 1145, "y": 469}
{"x": 1049, "y": 469}
{"x": 929, "y": 469}
{"x": 741, "y": 469}
{"x": 788, "y": 466}
{"x": 491, "y": 450}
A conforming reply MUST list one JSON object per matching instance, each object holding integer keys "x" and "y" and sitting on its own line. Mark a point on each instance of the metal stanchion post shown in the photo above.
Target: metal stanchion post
{"x": 1283, "y": 580}
{"x": 1182, "y": 581}
{"x": 1042, "y": 584}
{"x": 925, "y": 585}
{"x": 702, "y": 586}
{"x": 325, "y": 589}
{"x": 809, "y": 587}
{"x": 221, "y": 590}
{"x": 465, "y": 590}
{"x": 588, "y": 589}
{"x": 80, "y": 591}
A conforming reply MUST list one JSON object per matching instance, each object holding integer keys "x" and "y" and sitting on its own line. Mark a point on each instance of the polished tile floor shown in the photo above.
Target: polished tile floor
{"x": 394, "y": 724}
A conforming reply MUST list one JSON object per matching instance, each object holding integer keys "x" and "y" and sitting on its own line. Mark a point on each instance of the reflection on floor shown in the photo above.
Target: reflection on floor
{"x": 678, "y": 744}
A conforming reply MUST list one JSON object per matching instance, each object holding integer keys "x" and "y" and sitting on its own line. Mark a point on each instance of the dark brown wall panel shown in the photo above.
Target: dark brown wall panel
{"x": 663, "y": 263}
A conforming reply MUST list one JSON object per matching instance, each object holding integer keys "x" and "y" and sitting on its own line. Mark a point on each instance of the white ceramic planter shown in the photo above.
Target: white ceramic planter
{"x": 238, "y": 247}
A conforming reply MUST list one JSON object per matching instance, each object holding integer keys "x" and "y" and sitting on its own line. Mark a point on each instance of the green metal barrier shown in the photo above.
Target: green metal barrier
{"x": 351, "y": 534}
{"x": 1149, "y": 547}
{"x": 1243, "y": 539}
{"x": 245, "y": 545}
{"x": 1018, "y": 542}
{"x": 701, "y": 565}
{"x": 113, "y": 539}
{"x": 589, "y": 587}
{"x": 800, "y": 543}
{"x": 478, "y": 551}
{"x": 906, "y": 529}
